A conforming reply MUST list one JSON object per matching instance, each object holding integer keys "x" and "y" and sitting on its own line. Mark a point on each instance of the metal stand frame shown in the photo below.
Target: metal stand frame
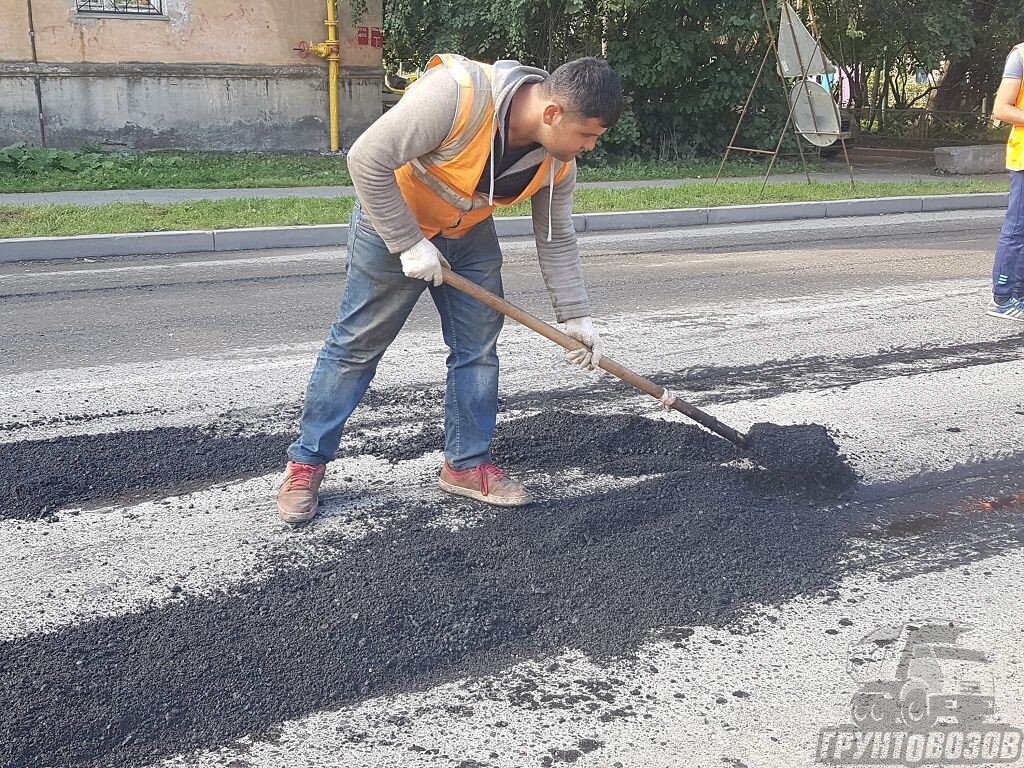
{"x": 773, "y": 47}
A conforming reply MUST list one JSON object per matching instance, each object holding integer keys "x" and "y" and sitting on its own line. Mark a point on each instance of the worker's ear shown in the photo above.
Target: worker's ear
{"x": 551, "y": 111}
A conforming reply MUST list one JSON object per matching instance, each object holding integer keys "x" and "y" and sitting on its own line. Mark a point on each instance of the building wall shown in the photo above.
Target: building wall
{"x": 19, "y": 115}
{"x": 210, "y": 74}
{"x": 15, "y": 43}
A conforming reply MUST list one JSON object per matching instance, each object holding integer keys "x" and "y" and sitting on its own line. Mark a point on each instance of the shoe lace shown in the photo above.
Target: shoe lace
{"x": 490, "y": 470}
{"x": 491, "y": 476}
{"x": 301, "y": 476}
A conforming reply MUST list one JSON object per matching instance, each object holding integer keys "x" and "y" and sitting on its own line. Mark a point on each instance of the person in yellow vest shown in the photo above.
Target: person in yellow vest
{"x": 466, "y": 137}
{"x": 1008, "y": 270}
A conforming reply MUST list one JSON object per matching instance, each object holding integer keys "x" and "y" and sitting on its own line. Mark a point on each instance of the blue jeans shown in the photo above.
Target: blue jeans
{"x": 1008, "y": 270}
{"x": 376, "y": 303}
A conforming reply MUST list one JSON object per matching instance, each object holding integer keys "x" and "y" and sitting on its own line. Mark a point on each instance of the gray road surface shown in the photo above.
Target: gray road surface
{"x": 876, "y": 333}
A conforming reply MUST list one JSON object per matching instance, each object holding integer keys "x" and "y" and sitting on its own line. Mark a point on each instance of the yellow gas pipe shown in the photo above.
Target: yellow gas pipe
{"x": 329, "y": 50}
{"x": 333, "y": 71}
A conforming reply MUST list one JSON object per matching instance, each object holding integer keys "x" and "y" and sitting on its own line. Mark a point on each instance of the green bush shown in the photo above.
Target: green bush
{"x": 22, "y": 159}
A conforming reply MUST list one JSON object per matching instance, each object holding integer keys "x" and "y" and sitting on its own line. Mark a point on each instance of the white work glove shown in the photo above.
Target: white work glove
{"x": 582, "y": 329}
{"x": 423, "y": 262}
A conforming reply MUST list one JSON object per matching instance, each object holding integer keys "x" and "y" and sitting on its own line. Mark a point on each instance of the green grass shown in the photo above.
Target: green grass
{"x": 184, "y": 170}
{"x": 707, "y": 194}
{"x": 40, "y": 220}
{"x": 43, "y": 220}
{"x": 212, "y": 170}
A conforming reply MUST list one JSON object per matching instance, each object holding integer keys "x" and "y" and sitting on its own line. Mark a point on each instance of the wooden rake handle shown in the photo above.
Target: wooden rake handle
{"x": 568, "y": 342}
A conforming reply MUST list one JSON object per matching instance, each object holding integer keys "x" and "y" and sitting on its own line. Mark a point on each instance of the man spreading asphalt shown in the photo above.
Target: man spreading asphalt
{"x": 465, "y": 138}
{"x": 1008, "y": 270}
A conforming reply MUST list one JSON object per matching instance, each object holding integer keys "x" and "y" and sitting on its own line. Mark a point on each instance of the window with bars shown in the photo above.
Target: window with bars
{"x": 121, "y": 7}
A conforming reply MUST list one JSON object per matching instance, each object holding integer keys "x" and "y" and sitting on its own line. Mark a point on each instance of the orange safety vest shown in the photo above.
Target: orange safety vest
{"x": 440, "y": 186}
{"x": 1015, "y": 146}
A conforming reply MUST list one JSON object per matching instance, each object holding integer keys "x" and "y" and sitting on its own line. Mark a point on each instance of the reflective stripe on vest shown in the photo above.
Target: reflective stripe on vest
{"x": 440, "y": 186}
{"x": 1015, "y": 146}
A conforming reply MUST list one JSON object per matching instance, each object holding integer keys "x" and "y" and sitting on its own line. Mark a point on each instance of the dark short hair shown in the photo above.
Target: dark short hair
{"x": 587, "y": 87}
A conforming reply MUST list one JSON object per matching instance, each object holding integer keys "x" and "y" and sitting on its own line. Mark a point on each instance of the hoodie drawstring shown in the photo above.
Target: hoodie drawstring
{"x": 490, "y": 197}
{"x": 551, "y": 193}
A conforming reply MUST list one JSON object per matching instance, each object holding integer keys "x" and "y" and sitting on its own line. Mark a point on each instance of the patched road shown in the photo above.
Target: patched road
{"x": 666, "y": 601}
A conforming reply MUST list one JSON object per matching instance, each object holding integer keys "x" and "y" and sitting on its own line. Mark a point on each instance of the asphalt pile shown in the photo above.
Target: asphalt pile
{"x": 42, "y": 476}
{"x": 804, "y": 452}
{"x": 701, "y": 538}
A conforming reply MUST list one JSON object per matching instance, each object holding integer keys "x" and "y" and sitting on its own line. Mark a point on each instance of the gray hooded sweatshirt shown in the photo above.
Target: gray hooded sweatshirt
{"x": 419, "y": 123}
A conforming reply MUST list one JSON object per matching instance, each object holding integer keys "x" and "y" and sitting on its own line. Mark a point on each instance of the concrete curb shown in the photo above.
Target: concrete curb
{"x": 99, "y": 246}
{"x": 332, "y": 235}
{"x": 965, "y": 202}
{"x": 256, "y": 238}
{"x": 744, "y": 214}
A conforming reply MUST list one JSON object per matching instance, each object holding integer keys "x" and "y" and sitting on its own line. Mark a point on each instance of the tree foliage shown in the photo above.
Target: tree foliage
{"x": 689, "y": 66}
{"x": 966, "y": 40}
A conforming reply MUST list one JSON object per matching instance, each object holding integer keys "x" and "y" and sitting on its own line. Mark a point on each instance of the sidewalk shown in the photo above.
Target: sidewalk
{"x": 167, "y": 196}
{"x": 335, "y": 235}
{"x": 814, "y": 215}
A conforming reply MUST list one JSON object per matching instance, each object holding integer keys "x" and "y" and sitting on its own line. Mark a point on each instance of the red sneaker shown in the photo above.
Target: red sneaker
{"x": 484, "y": 483}
{"x": 299, "y": 495}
